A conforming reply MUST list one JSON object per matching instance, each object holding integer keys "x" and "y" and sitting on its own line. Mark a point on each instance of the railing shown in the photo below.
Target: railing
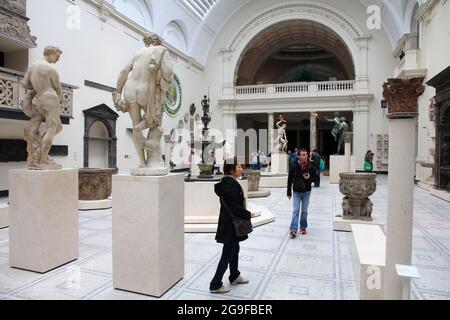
{"x": 11, "y": 92}
{"x": 297, "y": 89}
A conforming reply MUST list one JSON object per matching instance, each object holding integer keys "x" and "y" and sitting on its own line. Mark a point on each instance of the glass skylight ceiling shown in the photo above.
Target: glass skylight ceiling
{"x": 200, "y": 7}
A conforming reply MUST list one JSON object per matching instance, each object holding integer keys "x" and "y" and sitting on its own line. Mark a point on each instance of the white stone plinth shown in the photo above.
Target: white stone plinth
{"x": 340, "y": 164}
{"x": 261, "y": 193}
{"x": 280, "y": 163}
{"x": 4, "y": 215}
{"x": 273, "y": 180}
{"x": 370, "y": 244}
{"x": 43, "y": 214}
{"x": 148, "y": 233}
{"x": 208, "y": 224}
{"x": 201, "y": 200}
{"x": 339, "y": 224}
{"x": 441, "y": 194}
{"x": 94, "y": 205}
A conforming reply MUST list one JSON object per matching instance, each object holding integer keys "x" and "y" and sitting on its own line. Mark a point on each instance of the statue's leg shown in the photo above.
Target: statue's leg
{"x": 138, "y": 136}
{"x": 54, "y": 126}
{"x": 153, "y": 146}
{"x": 33, "y": 139}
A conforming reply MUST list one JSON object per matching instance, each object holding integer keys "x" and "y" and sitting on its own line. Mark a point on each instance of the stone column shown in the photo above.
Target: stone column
{"x": 313, "y": 131}
{"x": 270, "y": 130}
{"x": 361, "y": 127}
{"x": 402, "y": 98}
{"x": 348, "y": 151}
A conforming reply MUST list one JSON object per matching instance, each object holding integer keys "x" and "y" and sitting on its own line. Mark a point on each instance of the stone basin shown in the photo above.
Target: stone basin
{"x": 357, "y": 188}
{"x": 95, "y": 184}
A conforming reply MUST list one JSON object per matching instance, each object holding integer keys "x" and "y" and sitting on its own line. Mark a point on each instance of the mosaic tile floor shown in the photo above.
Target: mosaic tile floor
{"x": 316, "y": 266}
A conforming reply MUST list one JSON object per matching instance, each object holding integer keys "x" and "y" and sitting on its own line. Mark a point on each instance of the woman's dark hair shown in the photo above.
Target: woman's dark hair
{"x": 230, "y": 166}
{"x": 302, "y": 150}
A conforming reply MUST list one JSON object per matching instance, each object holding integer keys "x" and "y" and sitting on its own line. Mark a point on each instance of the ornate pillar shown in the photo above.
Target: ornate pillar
{"x": 401, "y": 96}
{"x": 313, "y": 131}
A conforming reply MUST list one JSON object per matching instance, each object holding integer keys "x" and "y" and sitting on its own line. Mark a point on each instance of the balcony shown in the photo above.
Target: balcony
{"x": 296, "y": 90}
{"x": 11, "y": 92}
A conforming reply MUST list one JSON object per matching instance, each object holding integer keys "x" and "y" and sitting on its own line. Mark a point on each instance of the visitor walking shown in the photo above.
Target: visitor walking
{"x": 254, "y": 161}
{"x": 301, "y": 175}
{"x": 368, "y": 161}
{"x": 293, "y": 158}
{"x": 232, "y": 203}
{"x": 315, "y": 161}
{"x": 264, "y": 161}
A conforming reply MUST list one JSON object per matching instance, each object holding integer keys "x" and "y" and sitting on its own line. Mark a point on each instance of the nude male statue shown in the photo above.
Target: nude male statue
{"x": 143, "y": 83}
{"x": 41, "y": 103}
{"x": 281, "y": 141}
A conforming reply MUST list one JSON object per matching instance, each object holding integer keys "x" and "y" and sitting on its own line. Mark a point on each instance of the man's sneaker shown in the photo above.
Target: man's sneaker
{"x": 222, "y": 289}
{"x": 303, "y": 231}
{"x": 240, "y": 280}
{"x": 293, "y": 234}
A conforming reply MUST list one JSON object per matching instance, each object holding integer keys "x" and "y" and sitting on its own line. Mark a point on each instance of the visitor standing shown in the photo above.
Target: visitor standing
{"x": 301, "y": 175}
{"x": 368, "y": 161}
{"x": 232, "y": 203}
{"x": 315, "y": 161}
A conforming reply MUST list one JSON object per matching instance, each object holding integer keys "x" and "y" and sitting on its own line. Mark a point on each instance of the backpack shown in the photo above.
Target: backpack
{"x": 322, "y": 165}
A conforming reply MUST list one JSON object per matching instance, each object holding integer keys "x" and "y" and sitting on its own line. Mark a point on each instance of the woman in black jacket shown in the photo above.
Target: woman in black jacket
{"x": 232, "y": 199}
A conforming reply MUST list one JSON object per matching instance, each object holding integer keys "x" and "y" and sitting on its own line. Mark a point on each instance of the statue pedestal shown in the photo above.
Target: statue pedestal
{"x": 280, "y": 163}
{"x": 202, "y": 202}
{"x": 4, "y": 215}
{"x": 340, "y": 164}
{"x": 148, "y": 233}
{"x": 43, "y": 219}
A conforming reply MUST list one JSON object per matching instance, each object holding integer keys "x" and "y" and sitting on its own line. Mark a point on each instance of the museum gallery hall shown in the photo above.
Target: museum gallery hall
{"x": 224, "y": 150}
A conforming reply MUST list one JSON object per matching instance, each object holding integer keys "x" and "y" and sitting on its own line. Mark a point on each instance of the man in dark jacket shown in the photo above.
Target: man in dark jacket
{"x": 300, "y": 177}
{"x": 315, "y": 161}
{"x": 232, "y": 201}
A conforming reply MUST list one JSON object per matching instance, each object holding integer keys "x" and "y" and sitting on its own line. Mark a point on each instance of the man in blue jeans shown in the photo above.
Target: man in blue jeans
{"x": 301, "y": 175}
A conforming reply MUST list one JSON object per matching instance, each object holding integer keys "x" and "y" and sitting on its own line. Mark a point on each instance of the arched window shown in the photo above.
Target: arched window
{"x": 174, "y": 34}
{"x": 137, "y": 10}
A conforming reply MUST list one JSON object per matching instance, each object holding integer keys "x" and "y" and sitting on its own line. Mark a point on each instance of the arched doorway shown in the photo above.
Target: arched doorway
{"x": 100, "y": 141}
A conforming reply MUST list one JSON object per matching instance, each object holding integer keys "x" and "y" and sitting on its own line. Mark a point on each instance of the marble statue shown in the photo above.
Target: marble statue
{"x": 337, "y": 124}
{"x": 141, "y": 87}
{"x": 343, "y": 129}
{"x": 41, "y": 104}
{"x": 281, "y": 141}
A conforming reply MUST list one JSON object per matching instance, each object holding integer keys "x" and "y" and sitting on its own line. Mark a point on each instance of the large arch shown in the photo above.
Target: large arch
{"x": 301, "y": 37}
{"x": 351, "y": 34}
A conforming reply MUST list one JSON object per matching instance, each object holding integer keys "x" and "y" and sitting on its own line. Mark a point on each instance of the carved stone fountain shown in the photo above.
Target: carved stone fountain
{"x": 357, "y": 188}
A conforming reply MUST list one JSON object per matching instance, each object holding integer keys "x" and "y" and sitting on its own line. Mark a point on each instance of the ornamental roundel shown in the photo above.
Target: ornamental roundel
{"x": 173, "y": 98}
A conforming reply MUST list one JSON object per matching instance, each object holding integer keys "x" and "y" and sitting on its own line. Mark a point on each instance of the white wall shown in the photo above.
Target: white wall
{"x": 96, "y": 52}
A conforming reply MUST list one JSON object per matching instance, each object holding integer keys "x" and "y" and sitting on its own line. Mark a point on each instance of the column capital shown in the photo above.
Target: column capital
{"x": 402, "y": 96}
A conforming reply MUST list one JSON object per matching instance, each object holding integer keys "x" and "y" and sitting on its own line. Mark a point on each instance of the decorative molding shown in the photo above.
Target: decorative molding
{"x": 402, "y": 96}
{"x": 99, "y": 86}
{"x": 14, "y": 23}
{"x": 309, "y": 8}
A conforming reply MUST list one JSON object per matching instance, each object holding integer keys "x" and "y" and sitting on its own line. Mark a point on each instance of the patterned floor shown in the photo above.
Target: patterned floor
{"x": 317, "y": 266}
